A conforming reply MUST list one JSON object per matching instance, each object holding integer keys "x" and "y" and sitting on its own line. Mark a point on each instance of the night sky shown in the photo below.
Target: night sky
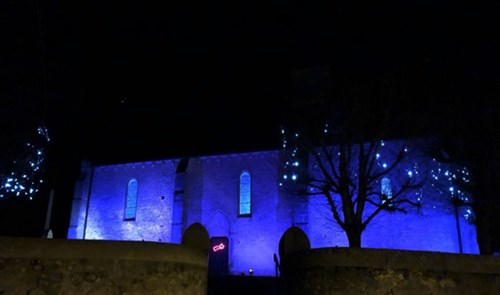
{"x": 140, "y": 80}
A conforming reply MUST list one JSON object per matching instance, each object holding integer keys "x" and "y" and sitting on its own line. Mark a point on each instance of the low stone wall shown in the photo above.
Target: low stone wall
{"x": 57, "y": 266}
{"x": 346, "y": 271}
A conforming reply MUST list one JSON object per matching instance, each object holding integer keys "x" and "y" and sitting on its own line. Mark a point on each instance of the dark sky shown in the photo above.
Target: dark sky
{"x": 133, "y": 80}
{"x": 173, "y": 79}
{"x": 138, "y": 80}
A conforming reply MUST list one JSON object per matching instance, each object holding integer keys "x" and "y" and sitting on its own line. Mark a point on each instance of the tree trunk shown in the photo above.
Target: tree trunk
{"x": 354, "y": 236}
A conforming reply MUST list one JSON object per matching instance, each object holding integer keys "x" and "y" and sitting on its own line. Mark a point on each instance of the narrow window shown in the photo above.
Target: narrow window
{"x": 386, "y": 190}
{"x": 131, "y": 201}
{"x": 245, "y": 206}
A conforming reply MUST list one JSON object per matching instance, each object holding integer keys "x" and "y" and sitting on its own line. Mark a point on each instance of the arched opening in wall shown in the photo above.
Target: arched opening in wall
{"x": 218, "y": 255}
{"x": 245, "y": 200}
{"x": 131, "y": 200}
{"x": 385, "y": 190}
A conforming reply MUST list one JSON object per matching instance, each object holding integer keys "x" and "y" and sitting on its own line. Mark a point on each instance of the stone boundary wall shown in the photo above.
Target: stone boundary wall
{"x": 58, "y": 266}
{"x": 346, "y": 271}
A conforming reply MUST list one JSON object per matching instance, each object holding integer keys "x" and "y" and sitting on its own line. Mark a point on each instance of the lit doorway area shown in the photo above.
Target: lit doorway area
{"x": 218, "y": 257}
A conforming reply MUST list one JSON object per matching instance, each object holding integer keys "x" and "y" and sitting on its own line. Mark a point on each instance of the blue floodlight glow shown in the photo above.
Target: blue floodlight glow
{"x": 245, "y": 199}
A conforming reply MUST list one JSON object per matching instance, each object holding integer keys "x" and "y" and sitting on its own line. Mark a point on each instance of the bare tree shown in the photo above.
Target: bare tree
{"x": 345, "y": 156}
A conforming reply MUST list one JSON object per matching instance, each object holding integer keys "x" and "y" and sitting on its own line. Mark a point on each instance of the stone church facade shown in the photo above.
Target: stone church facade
{"x": 239, "y": 199}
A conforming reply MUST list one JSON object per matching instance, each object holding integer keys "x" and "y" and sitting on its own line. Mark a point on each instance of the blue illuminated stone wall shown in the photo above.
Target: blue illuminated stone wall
{"x": 212, "y": 198}
{"x": 80, "y": 199}
{"x": 208, "y": 192}
{"x": 103, "y": 210}
{"x": 433, "y": 228}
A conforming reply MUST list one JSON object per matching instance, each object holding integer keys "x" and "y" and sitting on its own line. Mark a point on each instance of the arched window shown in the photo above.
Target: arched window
{"x": 245, "y": 203}
{"x": 131, "y": 200}
{"x": 385, "y": 189}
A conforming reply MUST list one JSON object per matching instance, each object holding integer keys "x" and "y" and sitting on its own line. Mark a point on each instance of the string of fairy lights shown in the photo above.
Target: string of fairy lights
{"x": 22, "y": 175}
{"x": 454, "y": 178}
{"x": 292, "y": 162}
{"x": 446, "y": 179}
{"x": 25, "y": 175}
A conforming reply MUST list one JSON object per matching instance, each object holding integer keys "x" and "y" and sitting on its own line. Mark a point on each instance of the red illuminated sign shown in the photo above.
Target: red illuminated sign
{"x": 219, "y": 247}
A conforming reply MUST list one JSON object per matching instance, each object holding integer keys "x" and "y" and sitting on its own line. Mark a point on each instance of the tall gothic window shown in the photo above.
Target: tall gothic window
{"x": 386, "y": 189}
{"x": 131, "y": 200}
{"x": 245, "y": 203}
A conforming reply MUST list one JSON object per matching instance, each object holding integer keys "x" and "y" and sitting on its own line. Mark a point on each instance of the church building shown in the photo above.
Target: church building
{"x": 241, "y": 201}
